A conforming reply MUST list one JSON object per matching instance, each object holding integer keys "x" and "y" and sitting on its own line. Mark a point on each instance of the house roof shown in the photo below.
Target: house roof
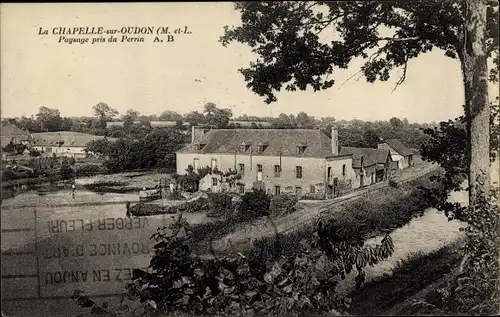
{"x": 367, "y": 154}
{"x": 370, "y": 155}
{"x": 398, "y": 147}
{"x": 278, "y": 141}
{"x": 11, "y": 131}
{"x": 68, "y": 138}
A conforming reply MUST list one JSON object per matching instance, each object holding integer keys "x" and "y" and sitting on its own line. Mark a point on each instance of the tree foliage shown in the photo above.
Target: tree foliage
{"x": 447, "y": 146}
{"x": 181, "y": 283}
{"x": 49, "y": 119}
{"x": 292, "y": 52}
{"x": 104, "y": 113}
{"x": 152, "y": 150}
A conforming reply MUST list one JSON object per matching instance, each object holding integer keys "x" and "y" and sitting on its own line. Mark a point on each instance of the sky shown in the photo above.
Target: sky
{"x": 185, "y": 74}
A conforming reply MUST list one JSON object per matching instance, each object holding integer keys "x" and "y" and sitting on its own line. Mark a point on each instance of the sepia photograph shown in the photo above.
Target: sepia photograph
{"x": 260, "y": 158}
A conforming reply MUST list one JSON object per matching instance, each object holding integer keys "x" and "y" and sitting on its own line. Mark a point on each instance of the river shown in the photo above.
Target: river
{"x": 423, "y": 234}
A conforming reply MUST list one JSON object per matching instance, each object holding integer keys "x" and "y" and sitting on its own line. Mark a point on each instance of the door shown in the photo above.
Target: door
{"x": 298, "y": 191}
{"x": 259, "y": 172}
{"x": 335, "y": 187}
{"x": 361, "y": 180}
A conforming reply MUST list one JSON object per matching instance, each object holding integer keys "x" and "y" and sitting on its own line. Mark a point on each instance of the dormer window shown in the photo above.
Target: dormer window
{"x": 301, "y": 148}
{"x": 244, "y": 146}
{"x": 261, "y": 147}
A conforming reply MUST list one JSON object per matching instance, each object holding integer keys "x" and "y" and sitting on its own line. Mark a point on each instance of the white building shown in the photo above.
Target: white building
{"x": 399, "y": 152}
{"x": 64, "y": 143}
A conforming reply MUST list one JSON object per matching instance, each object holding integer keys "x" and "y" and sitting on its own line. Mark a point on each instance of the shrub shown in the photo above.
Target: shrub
{"x": 87, "y": 170}
{"x": 220, "y": 202}
{"x": 66, "y": 171}
{"x": 175, "y": 195}
{"x": 282, "y": 205}
{"x": 180, "y": 283}
{"x": 476, "y": 289}
{"x": 142, "y": 209}
{"x": 254, "y": 204}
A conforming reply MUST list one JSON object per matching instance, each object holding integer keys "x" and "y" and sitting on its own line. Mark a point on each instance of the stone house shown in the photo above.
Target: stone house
{"x": 10, "y": 134}
{"x": 304, "y": 162}
{"x": 381, "y": 158}
{"x": 399, "y": 152}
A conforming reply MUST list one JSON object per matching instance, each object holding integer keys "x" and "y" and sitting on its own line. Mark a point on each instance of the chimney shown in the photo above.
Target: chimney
{"x": 196, "y": 134}
{"x": 335, "y": 141}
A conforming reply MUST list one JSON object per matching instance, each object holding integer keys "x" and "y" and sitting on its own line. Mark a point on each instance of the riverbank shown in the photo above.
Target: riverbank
{"x": 262, "y": 233}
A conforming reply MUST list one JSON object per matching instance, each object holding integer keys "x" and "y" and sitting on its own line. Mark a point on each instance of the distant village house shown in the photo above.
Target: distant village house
{"x": 399, "y": 152}
{"x": 64, "y": 143}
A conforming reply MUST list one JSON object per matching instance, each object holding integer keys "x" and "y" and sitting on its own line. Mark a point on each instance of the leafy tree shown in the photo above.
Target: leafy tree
{"x": 371, "y": 138}
{"x": 285, "y": 121}
{"x": 194, "y": 118}
{"x": 152, "y": 150}
{"x": 447, "y": 147}
{"x": 254, "y": 204}
{"x": 99, "y": 147}
{"x": 396, "y": 123}
{"x": 129, "y": 118}
{"x": 49, "y": 119}
{"x": 169, "y": 115}
{"x": 104, "y": 113}
{"x": 29, "y": 124}
{"x": 285, "y": 36}
{"x": 304, "y": 121}
{"x": 215, "y": 116}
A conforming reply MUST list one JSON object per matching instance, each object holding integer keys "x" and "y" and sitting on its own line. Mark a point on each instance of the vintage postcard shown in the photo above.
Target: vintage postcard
{"x": 250, "y": 158}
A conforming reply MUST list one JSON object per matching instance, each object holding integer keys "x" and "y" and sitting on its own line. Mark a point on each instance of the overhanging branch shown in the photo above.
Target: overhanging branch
{"x": 403, "y": 77}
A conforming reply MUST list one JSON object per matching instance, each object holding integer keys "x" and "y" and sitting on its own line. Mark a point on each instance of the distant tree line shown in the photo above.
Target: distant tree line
{"x": 356, "y": 133}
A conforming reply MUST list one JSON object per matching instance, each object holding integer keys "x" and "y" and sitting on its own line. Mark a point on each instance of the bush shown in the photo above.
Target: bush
{"x": 175, "y": 195}
{"x": 87, "y": 170}
{"x": 180, "y": 283}
{"x": 254, "y": 204}
{"x": 283, "y": 205}
{"x": 66, "y": 172}
{"x": 142, "y": 209}
{"x": 220, "y": 202}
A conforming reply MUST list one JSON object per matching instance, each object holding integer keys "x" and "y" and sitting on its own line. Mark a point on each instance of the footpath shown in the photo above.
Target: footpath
{"x": 309, "y": 211}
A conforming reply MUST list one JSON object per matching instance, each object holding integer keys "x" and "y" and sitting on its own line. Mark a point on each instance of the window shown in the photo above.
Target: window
{"x": 214, "y": 181}
{"x": 196, "y": 164}
{"x": 243, "y": 148}
{"x": 301, "y": 149}
{"x": 277, "y": 171}
{"x": 312, "y": 189}
{"x": 298, "y": 171}
{"x": 241, "y": 188}
{"x": 344, "y": 170}
{"x": 259, "y": 168}
{"x": 201, "y": 146}
{"x": 260, "y": 148}
{"x": 214, "y": 163}
{"x": 277, "y": 190}
{"x": 242, "y": 169}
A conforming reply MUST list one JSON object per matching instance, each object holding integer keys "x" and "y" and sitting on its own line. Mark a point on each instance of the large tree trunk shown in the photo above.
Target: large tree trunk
{"x": 477, "y": 109}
